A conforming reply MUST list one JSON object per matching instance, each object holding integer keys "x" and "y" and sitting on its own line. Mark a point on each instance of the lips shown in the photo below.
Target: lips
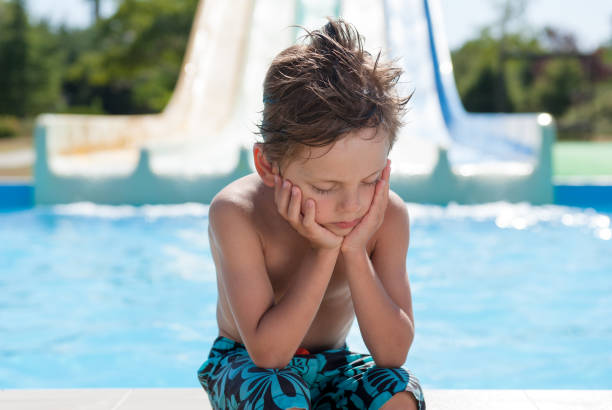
{"x": 345, "y": 225}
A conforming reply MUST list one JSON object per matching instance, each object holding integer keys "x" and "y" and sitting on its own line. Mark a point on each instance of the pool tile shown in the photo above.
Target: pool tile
{"x": 158, "y": 399}
{"x": 478, "y": 400}
{"x": 195, "y": 398}
{"x": 571, "y": 399}
{"x": 61, "y": 399}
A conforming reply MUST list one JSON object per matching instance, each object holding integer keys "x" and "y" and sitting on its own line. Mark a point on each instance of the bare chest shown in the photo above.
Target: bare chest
{"x": 283, "y": 255}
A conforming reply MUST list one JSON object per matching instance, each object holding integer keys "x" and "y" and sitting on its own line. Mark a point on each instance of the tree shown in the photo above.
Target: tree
{"x": 512, "y": 12}
{"x": 45, "y": 69}
{"x": 13, "y": 59}
{"x": 96, "y": 9}
{"x": 479, "y": 98}
{"x": 134, "y": 59}
{"x": 478, "y": 74}
{"x": 556, "y": 88}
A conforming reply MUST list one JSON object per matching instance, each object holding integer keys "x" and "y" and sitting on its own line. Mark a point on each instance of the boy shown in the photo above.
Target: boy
{"x": 313, "y": 239}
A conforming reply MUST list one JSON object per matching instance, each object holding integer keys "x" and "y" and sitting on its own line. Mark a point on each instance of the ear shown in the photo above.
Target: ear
{"x": 265, "y": 168}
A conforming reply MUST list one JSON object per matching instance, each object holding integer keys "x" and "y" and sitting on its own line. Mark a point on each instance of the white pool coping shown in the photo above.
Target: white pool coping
{"x": 194, "y": 398}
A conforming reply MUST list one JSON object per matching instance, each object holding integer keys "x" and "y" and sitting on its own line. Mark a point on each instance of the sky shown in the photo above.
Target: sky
{"x": 589, "y": 20}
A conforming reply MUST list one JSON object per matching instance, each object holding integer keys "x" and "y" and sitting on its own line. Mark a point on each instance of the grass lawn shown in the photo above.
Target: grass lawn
{"x": 582, "y": 158}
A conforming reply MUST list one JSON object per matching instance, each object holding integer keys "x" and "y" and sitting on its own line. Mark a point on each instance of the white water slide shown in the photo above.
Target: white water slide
{"x": 203, "y": 138}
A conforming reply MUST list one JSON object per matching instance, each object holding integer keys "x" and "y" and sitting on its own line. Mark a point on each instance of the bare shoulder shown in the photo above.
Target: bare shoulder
{"x": 396, "y": 225}
{"x": 396, "y": 214}
{"x": 232, "y": 212}
{"x": 235, "y": 200}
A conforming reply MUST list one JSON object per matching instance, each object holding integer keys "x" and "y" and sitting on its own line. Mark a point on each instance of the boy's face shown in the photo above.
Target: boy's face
{"x": 341, "y": 180}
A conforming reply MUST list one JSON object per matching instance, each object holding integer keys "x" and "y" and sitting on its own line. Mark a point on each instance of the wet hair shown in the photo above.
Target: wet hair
{"x": 317, "y": 91}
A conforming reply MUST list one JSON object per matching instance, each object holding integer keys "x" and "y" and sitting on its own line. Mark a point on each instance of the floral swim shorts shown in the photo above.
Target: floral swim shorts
{"x": 336, "y": 378}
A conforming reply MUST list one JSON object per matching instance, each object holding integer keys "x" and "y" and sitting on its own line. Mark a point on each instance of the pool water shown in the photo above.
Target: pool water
{"x": 505, "y": 296}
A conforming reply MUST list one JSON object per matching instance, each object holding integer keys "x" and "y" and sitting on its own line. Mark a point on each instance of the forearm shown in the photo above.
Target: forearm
{"x": 282, "y": 328}
{"x": 386, "y": 329}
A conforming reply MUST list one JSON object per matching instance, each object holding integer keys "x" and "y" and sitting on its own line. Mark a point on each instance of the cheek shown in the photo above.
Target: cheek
{"x": 367, "y": 194}
{"x": 324, "y": 207}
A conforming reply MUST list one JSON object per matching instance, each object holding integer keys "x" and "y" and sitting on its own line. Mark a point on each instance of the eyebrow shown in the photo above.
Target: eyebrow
{"x": 339, "y": 182}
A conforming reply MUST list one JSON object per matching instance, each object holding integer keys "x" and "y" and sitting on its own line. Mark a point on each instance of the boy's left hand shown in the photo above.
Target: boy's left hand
{"x": 357, "y": 239}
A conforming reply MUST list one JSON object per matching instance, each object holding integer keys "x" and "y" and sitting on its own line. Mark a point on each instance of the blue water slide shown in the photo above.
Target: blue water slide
{"x": 475, "y": 137}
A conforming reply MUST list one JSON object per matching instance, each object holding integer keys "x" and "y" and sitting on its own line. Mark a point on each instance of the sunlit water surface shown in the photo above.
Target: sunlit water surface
{"x": 505, "y": 296}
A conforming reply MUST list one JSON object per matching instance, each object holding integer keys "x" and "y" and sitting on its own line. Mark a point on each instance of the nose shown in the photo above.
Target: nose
{"x": 350, "y": 203}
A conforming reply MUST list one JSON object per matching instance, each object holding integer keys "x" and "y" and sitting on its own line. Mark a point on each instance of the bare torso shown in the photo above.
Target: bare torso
{"x": 283, "y": 249}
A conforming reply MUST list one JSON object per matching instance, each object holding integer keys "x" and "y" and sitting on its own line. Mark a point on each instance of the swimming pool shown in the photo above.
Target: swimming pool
{"x": 505, "y": 296}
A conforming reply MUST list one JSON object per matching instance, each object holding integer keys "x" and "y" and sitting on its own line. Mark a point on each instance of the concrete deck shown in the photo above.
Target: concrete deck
{"x": 187, "y": 399}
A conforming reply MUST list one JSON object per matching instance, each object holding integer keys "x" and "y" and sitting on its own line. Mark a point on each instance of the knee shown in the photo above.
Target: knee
{"x": 286, "y": 388}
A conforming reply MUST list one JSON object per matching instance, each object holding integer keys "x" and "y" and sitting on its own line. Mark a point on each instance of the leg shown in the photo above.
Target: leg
{"x": 361, "y": 384}
{"x": 253, "y": 387}
{"x": 232, "y": 380}
{"x": 401, "y": 401}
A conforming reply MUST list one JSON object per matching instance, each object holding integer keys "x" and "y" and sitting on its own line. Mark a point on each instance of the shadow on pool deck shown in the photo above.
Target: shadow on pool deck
{"x": 194, "y": 398}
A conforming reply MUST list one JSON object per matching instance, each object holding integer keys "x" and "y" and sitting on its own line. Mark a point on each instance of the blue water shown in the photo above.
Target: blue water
{"x": 505, "y": 296}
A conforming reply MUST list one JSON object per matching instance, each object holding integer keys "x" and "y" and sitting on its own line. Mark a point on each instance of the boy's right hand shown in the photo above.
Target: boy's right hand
{"x": 288, "y": 200}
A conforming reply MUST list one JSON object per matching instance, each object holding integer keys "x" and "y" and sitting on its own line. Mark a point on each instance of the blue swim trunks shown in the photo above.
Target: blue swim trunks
{"x": 331, "y": 379}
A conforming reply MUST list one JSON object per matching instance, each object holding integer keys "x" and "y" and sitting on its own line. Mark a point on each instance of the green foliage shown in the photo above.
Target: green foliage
{"x": 522, "y": 73}
{"x": 31, "y": 61}
{"x": 129, "y": 63}
{"x": 472, "y": 58}
{"x": 559, "y": 85}
{"x": 488, "y": 93}
{"x": 9, "y": 126}
{"x": 46, "y": 57}
{"x": 13, "y": 58}
{"x": 592, "y": 117}
{"x": 95, "y": 108}
{"x": 126, "y": 63}
{"x": 488, "y": 78}
{"x": 135, "y": 56}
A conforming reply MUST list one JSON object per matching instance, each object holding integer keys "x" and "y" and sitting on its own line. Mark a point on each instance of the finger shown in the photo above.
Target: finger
{"x": 293, "y": 213}
{"x": 380, "y": 196}
{"x": 388, "y": 179}
{"x": 387, "y": 171}
{"x": 277, "y": 185}
{"x": 309, "y": 214}
{"x": 283, "y": 199}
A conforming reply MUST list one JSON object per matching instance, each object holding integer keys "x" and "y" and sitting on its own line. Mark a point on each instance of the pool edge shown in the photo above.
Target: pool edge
{"x": 195, "y": 398}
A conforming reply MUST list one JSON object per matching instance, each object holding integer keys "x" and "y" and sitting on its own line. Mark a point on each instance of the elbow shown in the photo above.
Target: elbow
{"x": 268, "y": 359}
{"x": 390, "y": 362}
{"x": 270, "y": 363}
{"x": 395, "y": 356}
{"x": 265, "y": 353}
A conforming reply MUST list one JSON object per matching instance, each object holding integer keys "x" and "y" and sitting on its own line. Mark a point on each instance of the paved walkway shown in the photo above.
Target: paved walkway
{"x": 188, "y": 399}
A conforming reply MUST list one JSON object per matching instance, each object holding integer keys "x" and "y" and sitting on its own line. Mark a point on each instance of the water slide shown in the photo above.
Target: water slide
{"x": 202, "y": 140}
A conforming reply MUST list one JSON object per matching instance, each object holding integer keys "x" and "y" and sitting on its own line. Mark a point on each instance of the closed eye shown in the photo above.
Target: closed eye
{"x": 322, "y": 191}
{"x": 327, "y": 191}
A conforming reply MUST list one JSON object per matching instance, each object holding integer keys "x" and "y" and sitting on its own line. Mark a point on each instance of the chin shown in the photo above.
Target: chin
{"x": 339, "y": 231}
